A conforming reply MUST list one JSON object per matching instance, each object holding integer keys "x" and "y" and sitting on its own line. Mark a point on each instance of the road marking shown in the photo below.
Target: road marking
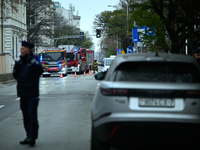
{"x": 47, "y": 97}
{"x": 17, "y": 99}
{"x": 1, "y": 106}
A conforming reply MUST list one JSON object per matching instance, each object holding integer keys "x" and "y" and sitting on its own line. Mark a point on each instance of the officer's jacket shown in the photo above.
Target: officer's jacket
{"x": 27, "y": 71}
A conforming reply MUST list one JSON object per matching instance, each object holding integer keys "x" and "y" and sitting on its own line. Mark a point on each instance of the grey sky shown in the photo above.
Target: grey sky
{"x": 87, "y": 10}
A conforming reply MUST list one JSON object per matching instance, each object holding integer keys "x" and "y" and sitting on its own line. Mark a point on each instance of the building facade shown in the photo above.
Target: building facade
{"x": 68, "y": 14}
{"x": 13, "y": 31}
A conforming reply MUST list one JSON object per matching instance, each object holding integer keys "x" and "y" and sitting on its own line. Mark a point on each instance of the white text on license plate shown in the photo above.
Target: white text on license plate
{"x": 156, "y": 102}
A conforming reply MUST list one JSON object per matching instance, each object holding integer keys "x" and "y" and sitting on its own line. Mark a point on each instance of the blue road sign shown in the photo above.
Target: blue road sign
{"x": 118, "y": 50}
{"x": 135, "y": 35}
{"x": 130, "y": 49}
{"x": 144, "y": 29}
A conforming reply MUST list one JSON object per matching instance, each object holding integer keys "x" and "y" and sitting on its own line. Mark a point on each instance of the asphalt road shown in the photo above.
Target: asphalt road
{"x": 64, "y": 114}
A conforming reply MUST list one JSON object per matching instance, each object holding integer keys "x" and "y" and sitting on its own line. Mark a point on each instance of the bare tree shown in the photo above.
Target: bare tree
{"x": 40, "y": 20}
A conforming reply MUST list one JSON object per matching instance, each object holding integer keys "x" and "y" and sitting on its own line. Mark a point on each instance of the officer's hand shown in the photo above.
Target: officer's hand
{"x": 17, "y": 66}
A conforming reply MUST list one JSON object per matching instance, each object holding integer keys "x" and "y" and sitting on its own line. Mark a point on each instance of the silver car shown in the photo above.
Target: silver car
{"x": 145, "y": 91}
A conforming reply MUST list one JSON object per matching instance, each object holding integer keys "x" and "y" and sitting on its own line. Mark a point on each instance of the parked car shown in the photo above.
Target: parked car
{"x": 145, "y": 91}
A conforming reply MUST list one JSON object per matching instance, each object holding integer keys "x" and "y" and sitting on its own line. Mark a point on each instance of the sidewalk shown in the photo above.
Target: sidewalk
{"x": 7, "y": 82}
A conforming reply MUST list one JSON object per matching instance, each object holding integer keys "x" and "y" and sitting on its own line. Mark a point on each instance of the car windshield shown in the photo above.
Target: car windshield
{"x": 108, "y": 61}
{"x": 156, "y": 72}
{"x": 71, "y": 56}
{"x": 53, "y": 56}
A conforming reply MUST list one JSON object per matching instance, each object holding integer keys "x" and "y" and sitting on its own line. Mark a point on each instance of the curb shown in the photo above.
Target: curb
{"x": 7, "y": 82}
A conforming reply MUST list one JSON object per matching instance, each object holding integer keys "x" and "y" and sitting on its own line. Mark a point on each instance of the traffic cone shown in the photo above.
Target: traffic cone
{"x": 75, "y": 74}
{"x": 90, "y": 72}
{"x": 84, "y": 74}
{"x": 61, "y": 76}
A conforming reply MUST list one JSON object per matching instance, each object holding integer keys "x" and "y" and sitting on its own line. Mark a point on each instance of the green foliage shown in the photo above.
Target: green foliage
{"x": 146, "y": 17}
{"x": 113, "y": 25}
{"x": 180, "y": 21}
{"x": 111, "y": 51}
{"x": 71, "y": 30}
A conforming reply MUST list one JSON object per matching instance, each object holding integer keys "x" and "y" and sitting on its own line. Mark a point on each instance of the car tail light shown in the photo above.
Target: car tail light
{"x": 104, "y": 115}
{"x": 151, "y": 93}
{"x": 114, "y": 91}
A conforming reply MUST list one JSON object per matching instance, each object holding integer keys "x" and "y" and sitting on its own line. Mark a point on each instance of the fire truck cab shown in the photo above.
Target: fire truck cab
{"x": 80, "y": 60}
{"x": 54, "y": 62}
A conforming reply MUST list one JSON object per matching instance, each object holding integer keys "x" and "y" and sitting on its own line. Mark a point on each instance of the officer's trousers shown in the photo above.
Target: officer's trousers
{"x": 29, "y": 106}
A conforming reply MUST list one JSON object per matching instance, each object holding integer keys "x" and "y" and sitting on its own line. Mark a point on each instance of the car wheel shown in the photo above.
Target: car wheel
{"x": 95, "y": 143}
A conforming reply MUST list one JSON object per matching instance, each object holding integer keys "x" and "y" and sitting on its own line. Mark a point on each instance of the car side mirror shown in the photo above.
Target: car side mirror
{"x": 100, "y": 75}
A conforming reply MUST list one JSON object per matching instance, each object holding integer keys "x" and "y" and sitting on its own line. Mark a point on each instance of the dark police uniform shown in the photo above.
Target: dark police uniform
{"x": 27, "y": 71}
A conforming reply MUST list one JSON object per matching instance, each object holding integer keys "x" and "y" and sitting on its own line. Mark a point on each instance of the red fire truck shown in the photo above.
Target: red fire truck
{"x": 80, "y": 60}
{"x": 54, "y": 62}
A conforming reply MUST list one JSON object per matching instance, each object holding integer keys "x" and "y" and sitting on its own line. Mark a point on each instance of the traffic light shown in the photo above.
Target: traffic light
{"x": 98, "y": 33}
{"x": 82, "y": 35}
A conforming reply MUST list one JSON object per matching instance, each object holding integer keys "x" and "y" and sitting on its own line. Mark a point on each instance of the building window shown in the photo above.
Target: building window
{"x": 13, "y": 51}
{"x": 16, "y": 48}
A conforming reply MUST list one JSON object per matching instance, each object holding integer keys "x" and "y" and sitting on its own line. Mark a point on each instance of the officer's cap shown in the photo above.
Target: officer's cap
{"x": 27, "y": 44}
{"x": 197, "y": 51}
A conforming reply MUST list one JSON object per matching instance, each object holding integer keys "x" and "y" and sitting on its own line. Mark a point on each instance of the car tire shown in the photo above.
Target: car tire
{"x": 95, "y": 143}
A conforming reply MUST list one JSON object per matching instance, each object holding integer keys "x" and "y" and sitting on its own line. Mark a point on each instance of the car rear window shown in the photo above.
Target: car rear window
{"x": 157, "y": 72}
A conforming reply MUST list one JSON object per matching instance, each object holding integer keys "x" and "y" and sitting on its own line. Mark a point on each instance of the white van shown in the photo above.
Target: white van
{"x": 107, "y": 63}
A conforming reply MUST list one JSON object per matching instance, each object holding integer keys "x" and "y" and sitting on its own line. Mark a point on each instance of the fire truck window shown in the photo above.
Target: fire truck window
{"x": 71, "y": 56}
{"x": 53, "y": 56}
{"x": 83, "y": 50}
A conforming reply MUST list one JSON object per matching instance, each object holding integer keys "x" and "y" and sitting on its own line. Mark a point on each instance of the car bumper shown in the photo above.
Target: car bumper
{"x": 149, "y": 117}
{"x": 73, "y": 69}
{"x": 54, "y": 73}
{"x": 122, "y": 133}
{"x": 109, "y": 127}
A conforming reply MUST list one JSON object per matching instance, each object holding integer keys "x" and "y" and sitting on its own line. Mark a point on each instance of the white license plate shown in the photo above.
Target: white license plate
{"x": 156, "y": 102}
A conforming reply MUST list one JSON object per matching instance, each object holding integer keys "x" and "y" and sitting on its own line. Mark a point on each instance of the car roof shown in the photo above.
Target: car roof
{"x": 155, "y": 57}
{"x": 152, "y": 57}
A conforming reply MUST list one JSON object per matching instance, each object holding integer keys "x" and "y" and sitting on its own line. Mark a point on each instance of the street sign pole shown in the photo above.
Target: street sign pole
{"x": 135, "y": 43}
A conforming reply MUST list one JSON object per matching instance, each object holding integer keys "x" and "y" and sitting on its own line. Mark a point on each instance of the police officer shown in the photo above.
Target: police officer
{"x": 27, "y": 72}
{"x": 197, "y": 55}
